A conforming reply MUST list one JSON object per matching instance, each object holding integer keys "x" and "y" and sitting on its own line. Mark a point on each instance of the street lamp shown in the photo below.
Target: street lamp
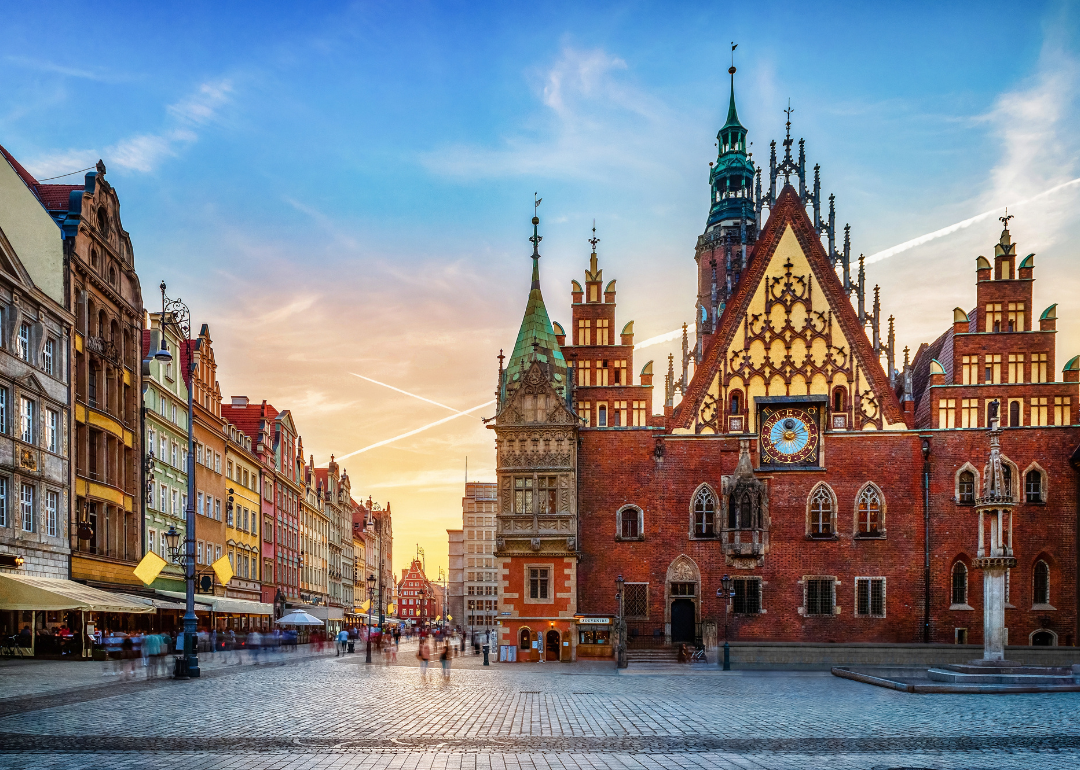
{"x": 725, "y": 589}
{"x": 620, "y": 627}
{"x": 172, "y": 542}
{"x": 370, "y": 591}
{"x": 175, "y": 313}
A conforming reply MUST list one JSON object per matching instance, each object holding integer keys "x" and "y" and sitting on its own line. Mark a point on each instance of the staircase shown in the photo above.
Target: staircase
{"x": 1002, "y": 672}
{"x": 652, "y": 657}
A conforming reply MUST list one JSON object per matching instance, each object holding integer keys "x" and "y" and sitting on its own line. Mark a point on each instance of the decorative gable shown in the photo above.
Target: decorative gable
{"x": 535, "y": 402}
{"x": 789, "y": 331}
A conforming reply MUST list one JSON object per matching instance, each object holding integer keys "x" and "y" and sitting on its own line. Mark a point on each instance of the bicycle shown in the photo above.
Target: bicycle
{"x": 699, "y": 655}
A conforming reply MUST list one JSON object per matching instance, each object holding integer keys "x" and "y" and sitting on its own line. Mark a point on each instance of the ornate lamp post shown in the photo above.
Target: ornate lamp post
{"x": 370, "y": 591}
{"x": 726, "y": 591}
{"x": 176, "y": 314}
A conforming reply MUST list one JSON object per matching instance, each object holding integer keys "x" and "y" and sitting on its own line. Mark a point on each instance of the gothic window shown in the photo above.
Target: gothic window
{"x": 1042, "y": 583}
{"x": 93, "y": 258}
{"x": 630, "y": 524}
{"x": 1014, "y": 413}
{"x": 704, "y": 513}
{"x": 1033, "y": 486}
{"x": 601, "y": 416}
{"x": 1006, "y": 474}
{"x": 736, "y": 402}
{"x": 959, "y": 583}
{"x": 112, "y": 276}
{"x": 822, "y": 509}
{"x": 838, "y": 400}
{"x": 966, "y": 489}
{"x": 870, "y": 513}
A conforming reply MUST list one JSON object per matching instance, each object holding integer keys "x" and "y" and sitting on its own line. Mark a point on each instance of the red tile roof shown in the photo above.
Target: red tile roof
{"x": 53, "y": 197}
{"x": 247, "y": 418}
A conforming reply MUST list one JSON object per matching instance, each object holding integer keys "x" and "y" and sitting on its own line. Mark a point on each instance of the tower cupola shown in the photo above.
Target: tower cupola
{"x": 731, "y": 178}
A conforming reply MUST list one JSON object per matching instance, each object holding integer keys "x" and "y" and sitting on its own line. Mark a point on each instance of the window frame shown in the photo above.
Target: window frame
{"x": 756, "y": 596}
{"x": 812, "y": 585}
{"x": 639, "y": 523}
{"x": 869, "y": 582}
{"x": 958, "y": 494}
{"x": 816, "y": 492}
{"x": 959, "y": 567}
{"x": 27, "y": 506}
{"x": 545, "y": 583}
{"x": 707, "y": 530}
{"x": 1040, "y": 499}
{"x": 864, "y": 491}
{"x": 1041, "y": 594}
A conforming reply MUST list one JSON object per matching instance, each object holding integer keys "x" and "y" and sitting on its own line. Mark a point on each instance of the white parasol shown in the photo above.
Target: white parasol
{"x": 299, "y": 618}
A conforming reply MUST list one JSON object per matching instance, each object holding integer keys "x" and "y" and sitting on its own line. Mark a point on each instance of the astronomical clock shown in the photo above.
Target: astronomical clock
{"x": 789, "y": 432}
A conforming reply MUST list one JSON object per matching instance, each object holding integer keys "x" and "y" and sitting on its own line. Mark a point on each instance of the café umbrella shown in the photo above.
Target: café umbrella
{"x": 299, "y": 618}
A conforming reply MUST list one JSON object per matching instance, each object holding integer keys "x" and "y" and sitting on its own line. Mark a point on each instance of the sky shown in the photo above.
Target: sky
{"x": 343, "y": 191}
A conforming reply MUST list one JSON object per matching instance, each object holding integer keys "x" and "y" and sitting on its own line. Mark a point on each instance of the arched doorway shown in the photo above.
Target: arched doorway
{"x": 1042, "y": 639}
{"x": 682, "y": 621}
{"x": 551, "y": 648}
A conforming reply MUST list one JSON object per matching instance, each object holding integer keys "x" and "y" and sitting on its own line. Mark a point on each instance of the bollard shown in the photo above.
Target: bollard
{"x": 487, "y": 648}
{"x": 727, "y": 656}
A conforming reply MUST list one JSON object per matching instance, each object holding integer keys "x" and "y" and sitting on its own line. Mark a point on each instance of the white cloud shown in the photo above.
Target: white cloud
{"x": 594, "y": 124}
{"x": 203, "y": 106}
{"x": 146, "y": 151}
{"x": 43, "y": 65}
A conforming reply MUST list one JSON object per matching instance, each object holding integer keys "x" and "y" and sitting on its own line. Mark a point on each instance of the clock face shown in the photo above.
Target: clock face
{"x": 789, "y": 436}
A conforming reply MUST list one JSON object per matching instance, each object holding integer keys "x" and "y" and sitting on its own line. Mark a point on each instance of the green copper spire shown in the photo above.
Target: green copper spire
{"x": 732, "y": 113}
{"x": 536, "y": 337}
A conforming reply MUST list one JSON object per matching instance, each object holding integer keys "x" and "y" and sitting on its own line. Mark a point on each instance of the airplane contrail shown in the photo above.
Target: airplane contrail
{"x": 413, "y": 432}
{"x": 405, "y": 392}
{"x": 960, "y": 225}
{"x": 901, "y": 247}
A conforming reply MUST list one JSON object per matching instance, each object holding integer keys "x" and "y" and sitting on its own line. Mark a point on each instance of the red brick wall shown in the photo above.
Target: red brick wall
{"x": 618, "y": 467}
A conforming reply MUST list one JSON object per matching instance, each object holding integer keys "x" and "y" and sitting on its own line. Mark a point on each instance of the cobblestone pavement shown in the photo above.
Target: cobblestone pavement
{"x": 327, "y": 712}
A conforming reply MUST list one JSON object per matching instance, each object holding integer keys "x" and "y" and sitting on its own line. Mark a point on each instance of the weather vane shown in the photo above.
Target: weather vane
{"x": 1005, "y": 219}
{"x": 536, "y": 202}
{"x": 594, "y": 240}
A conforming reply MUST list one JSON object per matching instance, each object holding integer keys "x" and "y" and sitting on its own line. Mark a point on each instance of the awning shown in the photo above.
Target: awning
{"x": 158, "y": 604}
{"x": 224, "y": 604}
{"x": 30, "y": 592}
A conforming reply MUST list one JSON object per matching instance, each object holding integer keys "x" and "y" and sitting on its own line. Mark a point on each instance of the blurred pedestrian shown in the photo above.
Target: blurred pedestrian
{"x": 444, "y": 658}
{"x": 424, "y": 654}
{"x": 342, "y": 640}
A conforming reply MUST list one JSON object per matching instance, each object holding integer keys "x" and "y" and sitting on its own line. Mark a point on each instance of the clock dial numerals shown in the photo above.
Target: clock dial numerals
{"x": 788, "y": 436}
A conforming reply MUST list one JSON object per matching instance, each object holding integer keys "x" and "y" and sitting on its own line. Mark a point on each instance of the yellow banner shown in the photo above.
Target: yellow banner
{"x": 390, "y": 609}
{"x": 149, "y": 568}
{"x": 223, "y": 569}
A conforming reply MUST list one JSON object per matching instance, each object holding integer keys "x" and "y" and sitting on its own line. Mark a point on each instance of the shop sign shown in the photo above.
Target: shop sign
{"x": 594, "y": 621}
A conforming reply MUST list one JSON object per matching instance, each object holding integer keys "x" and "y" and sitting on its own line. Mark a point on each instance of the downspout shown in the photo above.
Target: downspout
{"x": 926, "y": 538}
{"x": 1074, "y": 461}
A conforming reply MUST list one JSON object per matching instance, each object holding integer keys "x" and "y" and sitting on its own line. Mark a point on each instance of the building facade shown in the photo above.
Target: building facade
{"x": 419, "y": 604}
{"x": 455, "y": 587}
{"x": 480, "y": 579}
{"x": 165, "y": 415}
{"x": 104, "y": 294}
{"x": 242, "y": 515}
{"x": 211, "y": 537}
{"x": 35, "y": 387}
{"x": 536, "y": 443}
{"x": 836, "y": 489}
{"x": 314, "y": 540}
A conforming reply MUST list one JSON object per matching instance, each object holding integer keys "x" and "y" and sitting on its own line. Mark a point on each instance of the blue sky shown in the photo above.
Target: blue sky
{"x": 342, "y": 188}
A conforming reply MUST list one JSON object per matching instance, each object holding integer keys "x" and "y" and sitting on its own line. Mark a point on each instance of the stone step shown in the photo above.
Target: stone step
{"x": 1009, "y": 668}
{"x": 945, "y": 674}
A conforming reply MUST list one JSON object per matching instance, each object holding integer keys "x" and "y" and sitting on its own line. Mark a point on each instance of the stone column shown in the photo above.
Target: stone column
{"x": 994, "y": 612}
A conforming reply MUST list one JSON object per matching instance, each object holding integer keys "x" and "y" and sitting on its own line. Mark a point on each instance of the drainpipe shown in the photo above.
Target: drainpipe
{"x": 926, "y": 538}
{"x": 1074, "y": 461}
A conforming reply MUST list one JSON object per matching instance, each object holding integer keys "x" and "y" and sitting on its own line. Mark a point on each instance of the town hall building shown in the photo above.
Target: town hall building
{"x": 834, "y": 490}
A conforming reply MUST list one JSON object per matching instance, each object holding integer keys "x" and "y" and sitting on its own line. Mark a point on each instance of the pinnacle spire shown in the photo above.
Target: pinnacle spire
{"x": 732, "y": 113}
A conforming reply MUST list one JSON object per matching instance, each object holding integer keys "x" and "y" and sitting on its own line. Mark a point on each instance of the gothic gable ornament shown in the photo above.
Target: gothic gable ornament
{"x": 789, "y": 330}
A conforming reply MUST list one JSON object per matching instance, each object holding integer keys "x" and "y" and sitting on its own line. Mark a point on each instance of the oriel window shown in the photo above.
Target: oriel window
{"x": 523, "y": 494}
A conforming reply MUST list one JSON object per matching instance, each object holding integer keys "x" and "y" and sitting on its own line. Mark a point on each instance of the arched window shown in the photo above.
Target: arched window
{"x": 1042, "y": 583}
{"x": 967, "y": 488}
{"x": 103, "y": 220}
{"x": 869, "y": 512}
{"x": 704, "y": 513}
{"x": 523, "y": 639}
{"x": 838, "y": 400}
{"x": 746, "y": 512}
{"x": 959, "y": 583}
{"x": 112, "y": 276}
{"x": 630, "y": 524}
{"x": 821, "y": 512}
{"x": 736, "y": 402}
{"x": 1014, "y": 413}
{"x": 93, "y": 258}
{"x": 1033, "y": 487}
{"x": 1006, "y": 474}
{"x": 601, "y": 416}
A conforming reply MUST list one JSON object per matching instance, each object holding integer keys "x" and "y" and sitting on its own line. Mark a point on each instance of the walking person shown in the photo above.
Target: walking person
{"x": 424, "y": 655}
{"x": 342, "y": 640}
{"x": 444, "y": 658}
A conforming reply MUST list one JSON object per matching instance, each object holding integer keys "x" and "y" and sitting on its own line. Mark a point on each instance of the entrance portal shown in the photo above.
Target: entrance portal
{"x": 552, "y": 646}
{"x": 682, "y": 620}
